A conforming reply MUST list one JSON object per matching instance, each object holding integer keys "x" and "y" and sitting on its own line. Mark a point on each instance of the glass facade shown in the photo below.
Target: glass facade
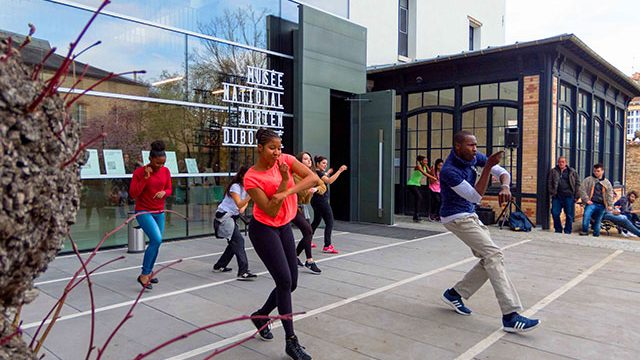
{"x": 487, "y": 109}
{"x": 633, "y": 123}
{"x": 590, "y": 131}
{"x": 188, "y": 49}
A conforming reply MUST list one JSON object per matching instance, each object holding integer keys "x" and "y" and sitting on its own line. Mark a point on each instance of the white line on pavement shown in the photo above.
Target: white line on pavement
{"x": 158, "y": 263}
{"x": 334, "y": 305}
{"x": 496, "y": 335}
{"x": 199, "y": 287}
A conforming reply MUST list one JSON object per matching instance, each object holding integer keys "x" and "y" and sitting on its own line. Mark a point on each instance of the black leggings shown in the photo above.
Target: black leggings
{"x": 276, "y": 249}
{"x": 434, "y": 209}
{"x": 307, "y": 234}
{"x": 322, "y": 211}
{"x": 235, "y": 246}
{"x": 417, "y": 196}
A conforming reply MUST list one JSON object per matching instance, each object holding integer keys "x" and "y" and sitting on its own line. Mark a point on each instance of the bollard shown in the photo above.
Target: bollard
{"x": 136, "y": 242}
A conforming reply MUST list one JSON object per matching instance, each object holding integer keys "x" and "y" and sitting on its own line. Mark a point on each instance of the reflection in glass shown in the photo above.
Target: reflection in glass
{"x": 582, "y": 167}
{"x": 423, "y": 121}
{"x": 509, "y": 90}
{"x": 105, "y": 204}
{"x": 415, "y": 101}
{"x": 441, "y": 134}
{"x": 192, "y": 15}
{"x": 563, "y": 134}
{"x": 447, "y": 97}
{"x": 470, "y": 94}
{"x": 412, "y": 139}
{"x": 412, "y": 122}
{"x": 596, "y": 141}
{"x": 435, "y": 155}
{"x": 436, "y": 139}
{"x": 489, "y": 91}
{"x": 411, "y": 159}
{"x": 396, "y": 166}
{"x": 422, "y": 138}
{"x": 430, "y": 98}
{"x": 607, "y": 135}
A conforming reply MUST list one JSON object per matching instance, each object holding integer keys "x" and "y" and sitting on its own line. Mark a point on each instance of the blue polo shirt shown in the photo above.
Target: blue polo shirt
{"x": 454, "y": 171}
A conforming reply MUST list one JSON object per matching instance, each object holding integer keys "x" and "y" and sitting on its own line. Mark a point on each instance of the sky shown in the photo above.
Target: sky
{"x": 611, "y": 28}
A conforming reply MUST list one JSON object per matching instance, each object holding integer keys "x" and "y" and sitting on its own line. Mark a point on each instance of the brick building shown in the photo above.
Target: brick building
{"x": 556, "y": 96}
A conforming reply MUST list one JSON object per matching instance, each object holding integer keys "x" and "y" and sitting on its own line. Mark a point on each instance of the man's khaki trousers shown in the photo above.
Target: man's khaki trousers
{"x": 491, "y": 265}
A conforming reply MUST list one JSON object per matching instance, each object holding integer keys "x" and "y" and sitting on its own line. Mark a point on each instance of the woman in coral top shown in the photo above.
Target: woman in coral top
{"x": 150, "y": 187}
{"x": 270, "y": 184}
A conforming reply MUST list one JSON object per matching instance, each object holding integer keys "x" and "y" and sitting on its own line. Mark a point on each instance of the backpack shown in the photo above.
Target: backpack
{"x": 519, "y": 222}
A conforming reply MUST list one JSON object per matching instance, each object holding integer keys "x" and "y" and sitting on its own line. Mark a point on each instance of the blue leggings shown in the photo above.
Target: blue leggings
{"x": 153, "y": 226}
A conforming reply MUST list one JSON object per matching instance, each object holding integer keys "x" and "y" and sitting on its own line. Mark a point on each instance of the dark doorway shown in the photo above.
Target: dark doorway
{"x": 340, "y": 146}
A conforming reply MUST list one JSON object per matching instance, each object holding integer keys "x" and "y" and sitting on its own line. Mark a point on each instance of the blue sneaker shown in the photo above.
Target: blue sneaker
{"x": 456, "y": 303}
{"x": 519, "y": 323}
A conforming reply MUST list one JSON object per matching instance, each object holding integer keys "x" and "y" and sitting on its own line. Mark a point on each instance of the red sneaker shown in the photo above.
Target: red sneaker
{"x": 313, "y": 245}
{"x": 329, "y": 250}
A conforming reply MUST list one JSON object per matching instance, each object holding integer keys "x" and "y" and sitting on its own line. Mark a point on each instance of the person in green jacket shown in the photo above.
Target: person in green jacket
{"x": 415, "y": 181}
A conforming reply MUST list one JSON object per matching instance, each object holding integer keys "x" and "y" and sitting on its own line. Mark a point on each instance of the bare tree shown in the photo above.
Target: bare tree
{"x": 243, "y": 25}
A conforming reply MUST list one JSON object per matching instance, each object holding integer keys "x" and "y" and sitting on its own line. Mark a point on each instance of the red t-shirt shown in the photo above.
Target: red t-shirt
{"x": 143, "y": 190}
{"x": 269, "y": 181}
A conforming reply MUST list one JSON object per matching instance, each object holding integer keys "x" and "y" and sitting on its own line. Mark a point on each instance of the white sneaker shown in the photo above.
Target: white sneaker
{"x": 630, "y": 234}
{"x": 624, "y": 233}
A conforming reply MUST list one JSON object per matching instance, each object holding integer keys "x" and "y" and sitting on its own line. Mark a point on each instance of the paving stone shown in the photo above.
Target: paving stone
{"x": 408, "y": 321}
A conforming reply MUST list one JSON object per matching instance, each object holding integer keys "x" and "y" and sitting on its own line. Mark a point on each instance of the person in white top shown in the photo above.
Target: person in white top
{"x": 234, "y": 203}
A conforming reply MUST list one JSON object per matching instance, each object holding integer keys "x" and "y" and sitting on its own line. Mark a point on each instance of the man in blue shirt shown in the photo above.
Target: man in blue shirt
{"x": 459, "y": 198}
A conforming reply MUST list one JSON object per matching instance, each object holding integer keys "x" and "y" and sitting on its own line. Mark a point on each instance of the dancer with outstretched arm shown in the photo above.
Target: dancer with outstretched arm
{"x": 459, "y": 198}
{"x": 301, "y": 220}
{"x": 320, "y": 202}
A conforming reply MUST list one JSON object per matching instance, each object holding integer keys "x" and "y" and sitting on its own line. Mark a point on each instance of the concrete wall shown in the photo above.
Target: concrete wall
{"x": 436, "y": 27}
{"x": 443, "y": 26}
{"x": 329, "y": 54}
{"x": 380, "y": 17}
{"x": 336, "y": 7}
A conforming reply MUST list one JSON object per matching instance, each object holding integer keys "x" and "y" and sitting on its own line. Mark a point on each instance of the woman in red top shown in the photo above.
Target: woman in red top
{"x": 150, "y": 186}
{"x": 270, "y": 184}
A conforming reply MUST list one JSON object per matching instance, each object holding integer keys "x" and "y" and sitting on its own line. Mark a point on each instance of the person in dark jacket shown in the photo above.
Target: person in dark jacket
{"x": 564, "y": 188}
{"x": 596, "y": 193}
{"x": 625, "y": 204}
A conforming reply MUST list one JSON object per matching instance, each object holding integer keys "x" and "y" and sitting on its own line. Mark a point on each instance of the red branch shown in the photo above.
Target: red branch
{"x": 87, "y": 49}
{"x": 206, "y": 327}
{"x": 91, "y": 297}
{"x": 108, "y": 77}
{"x": 71, "y": 285}
{"x": 8, "y": 338}
{"x": 81, "y": 149}
{"x": 66, "y": 291}
{"x": 9, "y": 51}
{"x": 63, "y": 69}
{"x": 38, "y": 67}
{"x": 129, "y": 313}
{"x": 84, "y": 71}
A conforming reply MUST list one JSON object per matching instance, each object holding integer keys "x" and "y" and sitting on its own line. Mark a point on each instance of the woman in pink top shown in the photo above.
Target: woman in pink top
{"x": 270, "y": 184}
{"x": 434, "y": 186}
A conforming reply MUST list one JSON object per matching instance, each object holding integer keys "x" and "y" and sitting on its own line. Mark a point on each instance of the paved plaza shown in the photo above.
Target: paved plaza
{"x": 378, "y": 299}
